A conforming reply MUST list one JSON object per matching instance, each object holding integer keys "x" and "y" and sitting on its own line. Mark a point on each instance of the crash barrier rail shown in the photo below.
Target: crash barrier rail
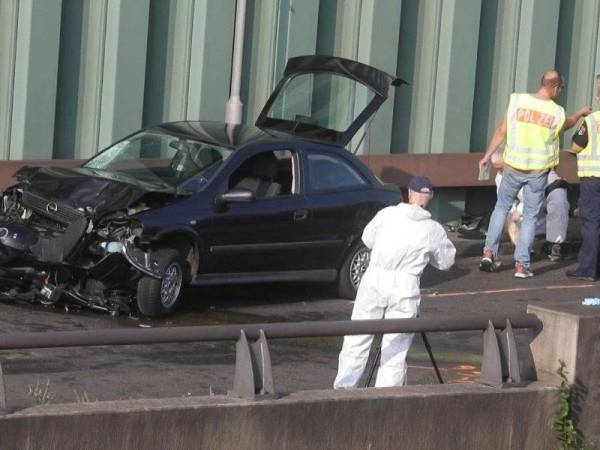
{"x": 253, "y": 373}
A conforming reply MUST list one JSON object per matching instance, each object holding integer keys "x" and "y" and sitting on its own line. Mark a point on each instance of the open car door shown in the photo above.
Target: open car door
{"x": 325, "y": 98}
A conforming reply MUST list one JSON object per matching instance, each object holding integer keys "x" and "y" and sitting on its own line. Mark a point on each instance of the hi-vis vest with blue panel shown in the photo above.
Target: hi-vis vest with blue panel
{"x": 588, "y": 159}
{"x": 533, "y": 129}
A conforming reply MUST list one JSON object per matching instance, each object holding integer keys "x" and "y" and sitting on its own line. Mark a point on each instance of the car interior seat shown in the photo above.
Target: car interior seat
{"x": 261, "y": 179}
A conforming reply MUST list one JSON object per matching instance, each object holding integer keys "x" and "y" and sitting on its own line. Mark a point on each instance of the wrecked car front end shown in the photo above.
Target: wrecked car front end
{"x": 75, "y": 247}
{"x": 73, "y": 237}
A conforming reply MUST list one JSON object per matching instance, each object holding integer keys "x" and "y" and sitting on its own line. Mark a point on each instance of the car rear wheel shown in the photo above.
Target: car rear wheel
{"x": 352, "y": 270}
{"x": 160, "y": 297}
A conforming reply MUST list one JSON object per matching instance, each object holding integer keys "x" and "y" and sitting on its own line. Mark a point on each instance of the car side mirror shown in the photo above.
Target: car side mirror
{"x": 235, "y": 196}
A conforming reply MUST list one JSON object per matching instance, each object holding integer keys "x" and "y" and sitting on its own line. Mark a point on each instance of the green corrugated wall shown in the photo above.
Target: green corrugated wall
{"x": 76, "y": 75}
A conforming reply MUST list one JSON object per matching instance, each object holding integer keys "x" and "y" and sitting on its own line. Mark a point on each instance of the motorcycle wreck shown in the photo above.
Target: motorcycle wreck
{"x": 69, "y": 237}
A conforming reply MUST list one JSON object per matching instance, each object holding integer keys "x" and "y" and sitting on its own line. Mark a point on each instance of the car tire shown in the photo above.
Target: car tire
{"x": 160, "y": 297}
{"x": 352, "y": 270}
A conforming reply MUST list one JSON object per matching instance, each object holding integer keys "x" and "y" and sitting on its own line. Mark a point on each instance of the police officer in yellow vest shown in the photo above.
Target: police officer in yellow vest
{"x": 586, "y": 144}
{"x": 531, "y": 129}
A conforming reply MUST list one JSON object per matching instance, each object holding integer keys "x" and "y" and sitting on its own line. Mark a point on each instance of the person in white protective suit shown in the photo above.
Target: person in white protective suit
{"x": 553, "y": 219}
{"x": 403, "y": 239}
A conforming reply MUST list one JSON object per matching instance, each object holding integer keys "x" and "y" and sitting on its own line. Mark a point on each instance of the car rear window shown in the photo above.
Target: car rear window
{"x": 329, "y": 172}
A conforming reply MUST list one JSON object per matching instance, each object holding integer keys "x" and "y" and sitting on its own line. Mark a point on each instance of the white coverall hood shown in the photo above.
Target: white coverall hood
{"x": 403, "y": 239}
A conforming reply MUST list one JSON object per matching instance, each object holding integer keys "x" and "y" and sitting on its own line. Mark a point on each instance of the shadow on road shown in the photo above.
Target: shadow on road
{"x": 432, "y": 277}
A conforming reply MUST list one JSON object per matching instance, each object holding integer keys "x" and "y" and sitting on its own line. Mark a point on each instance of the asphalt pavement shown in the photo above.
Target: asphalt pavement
{"x": 175, "y": 370}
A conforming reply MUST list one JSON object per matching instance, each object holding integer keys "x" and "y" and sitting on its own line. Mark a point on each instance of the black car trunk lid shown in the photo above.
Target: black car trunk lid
{"x": 325, "y": 98}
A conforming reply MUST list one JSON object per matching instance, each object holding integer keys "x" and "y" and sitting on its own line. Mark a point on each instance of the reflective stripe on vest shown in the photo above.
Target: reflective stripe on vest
{"x": 533, "y": 128}
{"x": 588, "y": 159}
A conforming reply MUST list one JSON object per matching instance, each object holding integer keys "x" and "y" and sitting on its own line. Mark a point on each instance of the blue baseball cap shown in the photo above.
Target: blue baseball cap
{"x": 421, "y": 184}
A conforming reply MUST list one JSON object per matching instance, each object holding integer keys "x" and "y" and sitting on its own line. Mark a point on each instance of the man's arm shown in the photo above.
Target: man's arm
{"x": 497, "y": 139}
{"x": 444, "y": 251}
{"x": 573, "y": 118}
{"x": 370, "y": 232}
{"x": 580, "y": 139}
{"x": 575, "y": 148}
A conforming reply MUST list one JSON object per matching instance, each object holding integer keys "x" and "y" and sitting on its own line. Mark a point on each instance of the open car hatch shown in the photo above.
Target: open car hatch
{"x": 325, "y": 98}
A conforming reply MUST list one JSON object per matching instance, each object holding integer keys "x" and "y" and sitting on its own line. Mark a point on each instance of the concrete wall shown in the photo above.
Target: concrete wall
{"x": 415, "y": 417}
{"x": 76, "y": 76}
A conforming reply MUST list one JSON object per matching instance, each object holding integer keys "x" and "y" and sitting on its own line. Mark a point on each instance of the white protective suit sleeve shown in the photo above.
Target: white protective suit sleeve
{"x": 370, "y": 232}
{"x": 444, "y": 252}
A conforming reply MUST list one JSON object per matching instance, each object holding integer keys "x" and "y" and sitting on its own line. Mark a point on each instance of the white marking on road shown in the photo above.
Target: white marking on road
{"x": 503, "y": 291}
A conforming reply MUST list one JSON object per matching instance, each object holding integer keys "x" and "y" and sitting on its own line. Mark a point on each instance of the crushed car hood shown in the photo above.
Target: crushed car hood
{"x": 81, "y": 190}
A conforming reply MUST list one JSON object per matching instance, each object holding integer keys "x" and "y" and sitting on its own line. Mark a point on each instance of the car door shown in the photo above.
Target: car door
{"x": 340, "y": 205}
{"x": 267, "y": 234}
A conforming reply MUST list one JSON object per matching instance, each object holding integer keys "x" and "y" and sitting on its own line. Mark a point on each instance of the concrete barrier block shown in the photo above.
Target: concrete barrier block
{"x": 410, "y": 417}
{"x": 571, "y": 332}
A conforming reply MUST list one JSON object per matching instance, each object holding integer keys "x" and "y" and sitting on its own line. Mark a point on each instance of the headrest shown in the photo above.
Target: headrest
{"x": 208, "y": 156}
{"x": 264, "y": 165}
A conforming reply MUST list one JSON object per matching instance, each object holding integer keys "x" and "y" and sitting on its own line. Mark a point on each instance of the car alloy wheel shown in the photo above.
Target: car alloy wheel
{"x": 358, "y": 265}
{"x": 171, "y": 284}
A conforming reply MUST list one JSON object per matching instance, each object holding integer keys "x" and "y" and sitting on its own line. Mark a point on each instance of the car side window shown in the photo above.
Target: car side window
{"x": 266, "y": 174}
{"x": 329, "y": 172}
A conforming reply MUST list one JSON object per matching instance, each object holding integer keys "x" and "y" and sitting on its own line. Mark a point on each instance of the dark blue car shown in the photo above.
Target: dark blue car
{"x": 205, "y": 202}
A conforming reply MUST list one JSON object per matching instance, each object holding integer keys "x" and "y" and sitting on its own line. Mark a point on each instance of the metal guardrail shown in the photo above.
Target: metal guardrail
{"x": 253, "y": 373}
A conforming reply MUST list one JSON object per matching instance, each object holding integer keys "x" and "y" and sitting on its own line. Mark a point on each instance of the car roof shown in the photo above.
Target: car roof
{"x": 239, "y": 136}
{"x": 233, "y": 136}
{"x": 213, "y": 132}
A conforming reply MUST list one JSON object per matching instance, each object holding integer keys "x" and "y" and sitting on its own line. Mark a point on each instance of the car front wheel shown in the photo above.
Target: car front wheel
{"x": 352, "y": 270}
{"x": 160, "y": 297}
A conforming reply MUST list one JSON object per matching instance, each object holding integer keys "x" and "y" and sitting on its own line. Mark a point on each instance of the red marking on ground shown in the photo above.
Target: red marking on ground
{"x": 503, "y": 291}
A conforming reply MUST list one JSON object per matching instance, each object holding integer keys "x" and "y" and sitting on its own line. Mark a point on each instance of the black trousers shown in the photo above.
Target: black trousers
{"x": 589, "y": 211}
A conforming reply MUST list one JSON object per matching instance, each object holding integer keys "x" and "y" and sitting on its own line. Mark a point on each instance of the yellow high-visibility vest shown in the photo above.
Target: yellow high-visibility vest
{"x": 588, "y": 159}
{"x": 533, "y": 129}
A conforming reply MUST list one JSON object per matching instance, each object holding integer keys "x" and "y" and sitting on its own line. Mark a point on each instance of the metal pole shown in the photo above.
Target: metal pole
{"x": 375, "y": 361}
{"x": 233, "y": 108}
{"x": 134, "y": 336}
{"x": 433, "y": 362}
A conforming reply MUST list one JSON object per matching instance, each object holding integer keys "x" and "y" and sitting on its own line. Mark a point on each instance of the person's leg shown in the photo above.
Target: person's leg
{"x": 355, "y": 350}
{"x": 557, "y": 216}
{"x": 557, "y": 222}
{"x": 589, "y": 208}
{"x": 395, "y": 346}
{"x": 507, "y": 193}
{"x": 533, "y": 198}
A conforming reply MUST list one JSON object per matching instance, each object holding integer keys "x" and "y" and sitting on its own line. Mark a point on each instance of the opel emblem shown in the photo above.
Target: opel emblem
{"x": 51, "y": 207}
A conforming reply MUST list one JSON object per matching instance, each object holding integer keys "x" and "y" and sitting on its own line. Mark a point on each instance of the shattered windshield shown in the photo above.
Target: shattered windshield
{"x": 158, "y": 158}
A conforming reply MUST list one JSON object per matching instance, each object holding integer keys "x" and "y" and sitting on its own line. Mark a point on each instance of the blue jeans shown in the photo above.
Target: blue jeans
{"x": 533, "y": 185}
{"x": 589, "y": 211}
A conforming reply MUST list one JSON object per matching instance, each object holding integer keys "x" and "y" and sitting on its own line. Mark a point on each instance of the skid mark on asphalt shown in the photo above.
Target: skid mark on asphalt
{"x": 504, "y": 291}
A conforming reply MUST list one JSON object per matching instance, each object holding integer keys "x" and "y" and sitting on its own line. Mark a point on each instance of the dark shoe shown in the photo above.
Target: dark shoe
{"x": 555, "y": 254}
{"x": 572, "y": 273}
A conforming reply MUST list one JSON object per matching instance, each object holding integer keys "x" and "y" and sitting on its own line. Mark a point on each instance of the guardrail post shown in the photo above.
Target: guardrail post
{"x": 253, "y": 372}
{"x": 509, "y": 356}
{"x": 2, "y": 392}
{"x": 500, "y": 364}
{"x": 262, "y": 358}
{"x": 491, "y": 367}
